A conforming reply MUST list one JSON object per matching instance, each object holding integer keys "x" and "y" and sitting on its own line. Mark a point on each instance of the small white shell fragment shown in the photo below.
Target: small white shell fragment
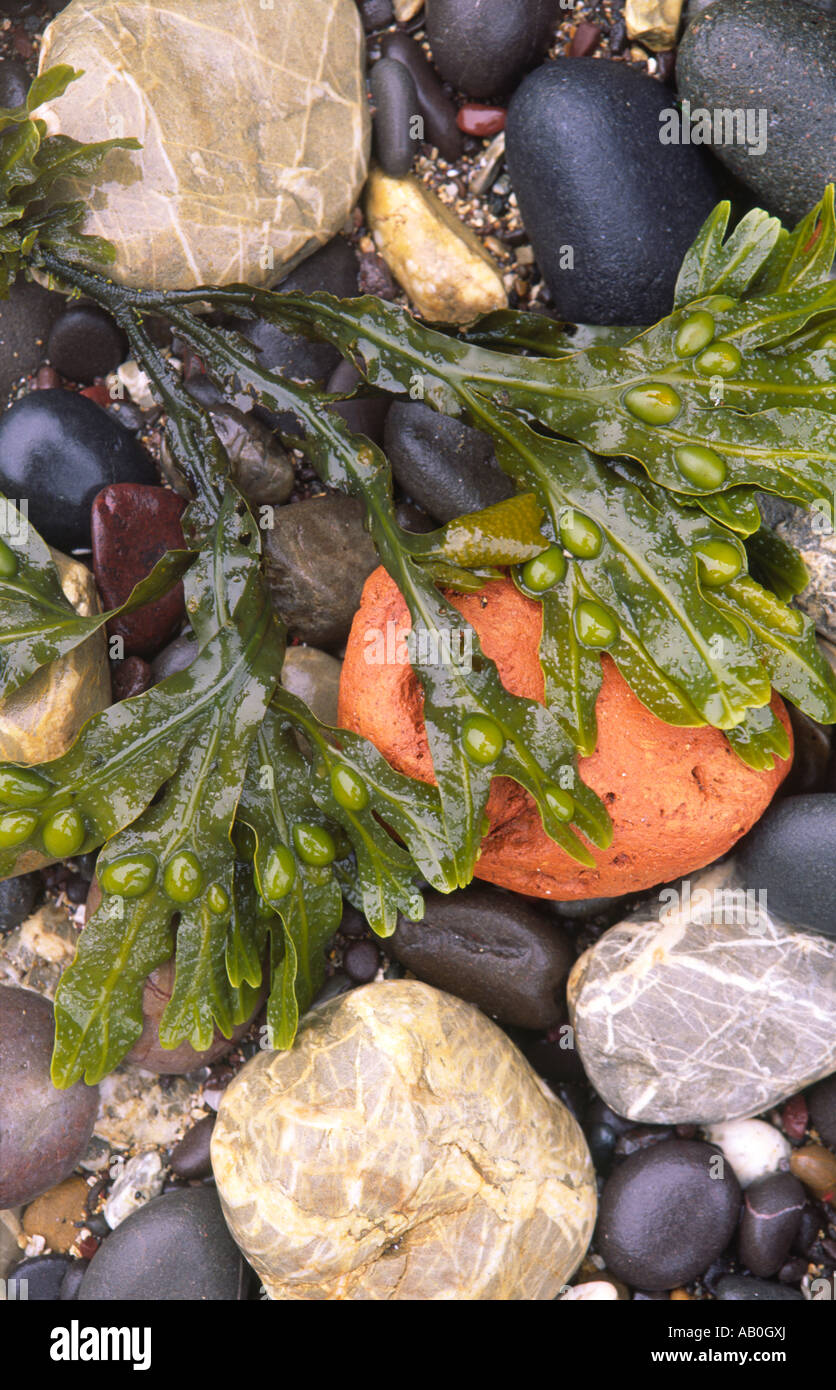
{"x": 139, "y": 1181}
{"x": 594, "y": 1291}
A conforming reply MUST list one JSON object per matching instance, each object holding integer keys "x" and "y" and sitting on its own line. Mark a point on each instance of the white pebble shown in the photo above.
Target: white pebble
{"x": 139, "y": 1181}
{"x": 137, "y": 385}
{"x": 595, "y": 1291}
{"x": 752, "y": 1147}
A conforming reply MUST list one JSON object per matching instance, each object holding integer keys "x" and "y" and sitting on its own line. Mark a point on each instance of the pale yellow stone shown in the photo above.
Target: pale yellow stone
{"x": 406, "y": 9}
{"x": 40, "y": 720}
{"x": 254, "y": 123}
{"x": 655, "y": 23}
{"x": 402, "y": 1149}
{"x": 441, "y": 264}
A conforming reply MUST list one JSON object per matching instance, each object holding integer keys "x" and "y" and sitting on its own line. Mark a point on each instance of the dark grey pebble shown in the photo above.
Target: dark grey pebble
{"x": 318, "y": 556}
{"x": 71, "y": 1283}
{"x": 439, "y": 113}
{"x": 361, "y": 961}
{"x": 25, "y": 320}
{"x": 375, "y": 14}
{"x": 43, "y": 1131}
{"x": 17, "y": 898}
{"x": 777, "y": 58}
{"x": 811, "y": 759}
{"x": 175, "y": 1248}
{"x": 791, "y": 854}
{"x": 821, "y": 1100}
{"x": 365, "y": 415}
{"x": 85, "y": 343}
{"x": 610, "y": 215}
{"x": 177, "y": 656}
{"x": 43, "y": 1276}
{"x": 666, "y": 1213}
{"x": 14, "y": 83}
{"x": 441, "y": 463}
{"x": 735, "y": 1288}
{"x": 58, "y": 450}
{"x": 191, "y": 1157}
{"x": 483, "y": 46}
{"x": 492, "y": 949}
{"x": 772, "y": 1208}
{"x": 396, "y": 108}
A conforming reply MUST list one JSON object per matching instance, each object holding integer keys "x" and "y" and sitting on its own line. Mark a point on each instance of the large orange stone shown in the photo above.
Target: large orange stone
{"x": 678, "y": 798}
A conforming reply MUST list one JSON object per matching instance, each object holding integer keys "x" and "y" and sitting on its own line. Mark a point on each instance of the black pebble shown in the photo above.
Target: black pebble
{"x": 609, "y": 209}
{"x": 25, "y": 321}
{"x": 735, "y": 1288}
{"x": 821, "y": 1099}
{"x": 177, "y": 1247}
{"x": 444, "y": 465}
{"x": 482, "y": 46}
{"x": 772, "y": 1210}
{"x": 17, "y": 898}
{"x": 666, "y": 1213}
{"x": 791, "y": 854}
{"x": 44, "y": 1275}
{"x": 375, "y": 14}
{"x": 396, "y": 107}
{"x": 71, "y": 1283}
{"x": 58, "y": 450}
{"x": 191, "y": 1157}
{"x": 439, "y": 113}
{"x": 361, "y": 961}
{"x": 85, "y": 343}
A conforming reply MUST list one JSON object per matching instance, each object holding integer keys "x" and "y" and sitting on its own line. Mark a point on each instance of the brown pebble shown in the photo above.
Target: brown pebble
{"x": 47, "y": 379}
{"x": 55, "y": 1213}
{"x": 585, "y": 40}
{"x": 373, "y": 276}
{"x": 481, "y": 121}
{"x": 681, "y": 1296}
{"x": 815, "y": 1166}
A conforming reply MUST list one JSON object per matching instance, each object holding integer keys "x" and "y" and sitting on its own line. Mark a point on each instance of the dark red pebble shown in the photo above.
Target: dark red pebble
{"x": 88, "y": 1247}
{"x": 130, "y": 677}
{"x": 481, "y": 120}
{"x": 132, "y": 526}
{"x": 98, "y": 393}
{"x": 585, "y": 40}
{"x": 795, "y": 1118}
{"x": 666, "y": 65}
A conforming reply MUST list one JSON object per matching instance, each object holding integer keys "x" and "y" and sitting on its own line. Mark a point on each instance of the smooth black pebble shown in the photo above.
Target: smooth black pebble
{"x": 439, "y": 113}
{"x": 396, "y": 106}
{"x": 767, "y": 56}
{"x": 772, "y": 1208}
{"x": 17, "y": 898}
{"x": 821, "y": 1099}
{"x": 791, "y": 855}
{"x": 441, "y": 463}
{"x": 44, "y": 1276}
{"x": 58, "y": 450}
{"x": 191, "y": 1158}
{"x": 85, "y": 343}
{"x": 177, "y": 1247}
{"x": 666, "y": 1213}
{"x": 483, "y": 46}
{"x": 492, "y": 949}
{"x": 609, "y": 209}
{"x": 737, "y": 1288}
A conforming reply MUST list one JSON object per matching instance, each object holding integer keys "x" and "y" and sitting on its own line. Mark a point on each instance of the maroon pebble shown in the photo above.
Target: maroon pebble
{"x": 481, "y": 120}
{"x": 98, "y": 393}
{"x": 132, "y": 527}
{"x": 585, "y": 40}
{"x": 795, "y": 1118}
{"x": 130, "y": 677}
{"x": 46, "y": 379}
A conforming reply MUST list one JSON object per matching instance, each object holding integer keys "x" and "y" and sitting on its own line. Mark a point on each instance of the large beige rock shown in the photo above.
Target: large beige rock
{"x": 254, "y": 124}
{"x": 40, "y": 720}
{"x": 402, "y": 1149}
{"x": 440, "y": 262}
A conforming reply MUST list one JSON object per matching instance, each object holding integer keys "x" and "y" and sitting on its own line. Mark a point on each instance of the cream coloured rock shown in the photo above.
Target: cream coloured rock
{"x": 753, "y": 1148}
{"x": 40, "y": 720}
{"x": 441, "y": 264}
{"x": 253, "y": 120}
{"x": 406, "y": 9}
{"x": 704, "y": 1010}
{"x": 654, "y": 23}
{"x": 402, "y": 1149}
